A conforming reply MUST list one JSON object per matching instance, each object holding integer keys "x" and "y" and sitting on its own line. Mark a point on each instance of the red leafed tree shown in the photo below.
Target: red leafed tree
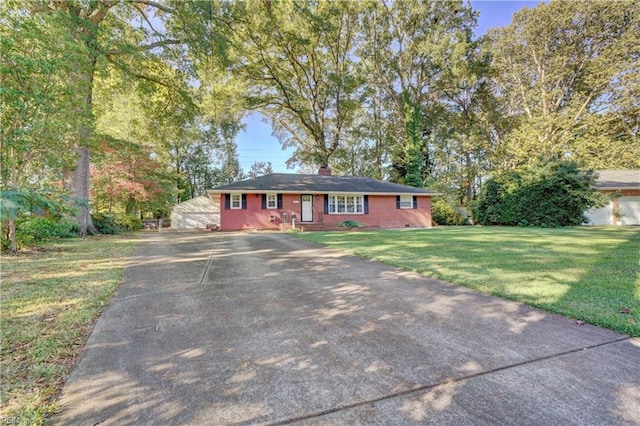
{"x": 127, "y": 179}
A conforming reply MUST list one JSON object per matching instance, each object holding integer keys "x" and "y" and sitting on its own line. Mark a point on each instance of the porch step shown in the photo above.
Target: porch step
{"x": 313, "y": 227}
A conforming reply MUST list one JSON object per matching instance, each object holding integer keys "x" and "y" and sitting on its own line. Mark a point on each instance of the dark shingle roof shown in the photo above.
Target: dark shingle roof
{"x": 295, "y": 183}
{"x": 618, "y": 179}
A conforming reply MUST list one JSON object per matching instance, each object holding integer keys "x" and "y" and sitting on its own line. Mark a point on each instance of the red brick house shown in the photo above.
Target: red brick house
{"x": 320, "y": 202}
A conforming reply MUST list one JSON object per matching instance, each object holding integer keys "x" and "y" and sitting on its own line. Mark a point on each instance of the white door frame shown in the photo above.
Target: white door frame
{"x": 306, "y": 209}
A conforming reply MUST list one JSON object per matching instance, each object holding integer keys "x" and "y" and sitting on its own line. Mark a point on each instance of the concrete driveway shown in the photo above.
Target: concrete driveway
{"x": 265, "y": 328}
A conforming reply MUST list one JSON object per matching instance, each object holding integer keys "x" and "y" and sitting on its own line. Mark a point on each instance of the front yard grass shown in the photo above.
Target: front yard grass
{"x": 590, "y": 274}
{"x": 50, "y": 299}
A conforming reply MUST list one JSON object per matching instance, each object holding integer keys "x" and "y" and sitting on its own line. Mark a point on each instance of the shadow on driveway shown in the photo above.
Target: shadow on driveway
{"x": 270, "y": 329}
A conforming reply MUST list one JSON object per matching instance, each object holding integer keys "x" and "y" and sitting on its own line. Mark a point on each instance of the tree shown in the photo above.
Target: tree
{"x": 464, "y": 151}
{"x": 406, "y": 47}
{"x": 260, "y": 168}
{"x": 367, "y": 146}
{"x": 38, "y": 111}
{"x": 561, "y": 69}
{"x": 112, "y": 34}
{"x": 230, "y": 170}
{"x": 298, "y": 61}
{"x": 124, "y": 177}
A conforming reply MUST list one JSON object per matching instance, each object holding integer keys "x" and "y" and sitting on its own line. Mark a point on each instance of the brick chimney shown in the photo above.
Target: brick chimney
{"x": 324, "y": 171}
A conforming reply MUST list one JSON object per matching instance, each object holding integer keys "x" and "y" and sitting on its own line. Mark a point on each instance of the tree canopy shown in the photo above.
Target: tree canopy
{"x": 131, "y": 105}
{"x": 559, "y": 69}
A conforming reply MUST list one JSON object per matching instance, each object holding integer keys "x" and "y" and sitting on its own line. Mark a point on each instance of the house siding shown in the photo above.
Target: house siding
{"x": 382, "y": 214}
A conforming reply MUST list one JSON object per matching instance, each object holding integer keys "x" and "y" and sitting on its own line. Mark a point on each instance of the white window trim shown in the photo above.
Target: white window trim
{"x": 340, "y": 200}
{"x": 272, "y": 197}
{"x": 238, "y": 198}
{"x": 406, "y": 201}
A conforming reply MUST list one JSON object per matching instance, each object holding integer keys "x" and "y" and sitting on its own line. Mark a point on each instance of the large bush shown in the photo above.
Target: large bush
{"x": 443, "y": 213}
{"x": 546, "y": 194}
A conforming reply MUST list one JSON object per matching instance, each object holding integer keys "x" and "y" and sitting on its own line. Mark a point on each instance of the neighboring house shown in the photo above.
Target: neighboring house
{"x": 320, "y": 202}
{"x": 623, "y": 186}
{"x": 196, "y": 213}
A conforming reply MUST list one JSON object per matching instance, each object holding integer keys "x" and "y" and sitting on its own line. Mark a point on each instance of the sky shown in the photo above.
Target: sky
{"x": 256, "y": 143}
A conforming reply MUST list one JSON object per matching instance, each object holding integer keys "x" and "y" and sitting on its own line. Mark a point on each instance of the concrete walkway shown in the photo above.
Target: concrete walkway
{"x": 212, "y": 329}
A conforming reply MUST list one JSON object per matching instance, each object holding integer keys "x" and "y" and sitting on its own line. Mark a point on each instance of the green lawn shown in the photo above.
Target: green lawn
{"x": 50, "y": 299}
{"x": 586, "y": 273}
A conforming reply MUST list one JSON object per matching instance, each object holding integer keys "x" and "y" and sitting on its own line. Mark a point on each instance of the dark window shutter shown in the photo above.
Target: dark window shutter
{"x": 397, "y": 201}
{"x": 279, "y": 201}
{"x": 244, "y": 201}
{"x": 264, "y": 201}
{"x": 415, "y": 201}
{"x": 326, "y": 203}
{"x": 366, "y": 204}
{"x": 227, "y": 201}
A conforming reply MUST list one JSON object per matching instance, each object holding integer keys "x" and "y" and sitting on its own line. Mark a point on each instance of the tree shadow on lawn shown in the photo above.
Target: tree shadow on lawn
{"x": 596, "y": 281}
{"x": 585, "y": 273}
{"x": 608, "y": 293}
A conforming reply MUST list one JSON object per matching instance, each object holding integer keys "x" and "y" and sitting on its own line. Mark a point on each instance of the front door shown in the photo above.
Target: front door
{"x": 307, "y": 208}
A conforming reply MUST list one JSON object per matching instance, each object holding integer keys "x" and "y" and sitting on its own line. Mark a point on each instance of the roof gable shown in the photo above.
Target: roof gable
{"x": 297, "y": 183}
{"x": 618, "y": 179}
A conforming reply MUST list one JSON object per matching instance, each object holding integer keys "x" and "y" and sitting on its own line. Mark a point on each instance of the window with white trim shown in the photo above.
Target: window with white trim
{"x": 406, "y": 201}
{"x": 236, "y": 201}
{"x": 272, "y": 201}
{"x": 353, "y": 204}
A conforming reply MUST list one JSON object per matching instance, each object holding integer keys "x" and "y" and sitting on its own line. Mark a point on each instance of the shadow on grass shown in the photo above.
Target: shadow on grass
{"x": 586, "y": 273}
{"x": 608, "y": 293}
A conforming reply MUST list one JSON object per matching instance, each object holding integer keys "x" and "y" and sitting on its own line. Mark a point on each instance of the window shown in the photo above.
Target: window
{"x": 236, "y": 201}
{"x": 353, "y": 204}
{"x": 272, "y": 201}
{"x": 406, "y": 202}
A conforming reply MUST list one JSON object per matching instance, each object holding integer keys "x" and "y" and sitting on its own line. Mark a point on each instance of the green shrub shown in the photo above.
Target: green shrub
{"x": 443, "y": 213}
{"x": 109, "y": 223}
{"x": 545, "y": 194}
{"x": 130, "y": 222}
{"x": 350, "y": 224}
{"x": 31, "y": 230}
{"x": 37, "y": 215}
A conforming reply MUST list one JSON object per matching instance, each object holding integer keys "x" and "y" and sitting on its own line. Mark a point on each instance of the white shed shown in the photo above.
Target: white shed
{"x": 195, "y": 213}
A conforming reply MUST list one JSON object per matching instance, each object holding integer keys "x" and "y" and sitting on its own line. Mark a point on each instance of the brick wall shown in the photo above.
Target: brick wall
{"x": 382, "y": 213}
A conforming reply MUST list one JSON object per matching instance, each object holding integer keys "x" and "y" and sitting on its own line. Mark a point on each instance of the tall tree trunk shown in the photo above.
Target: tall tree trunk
{"x": 469, "y": 182}
{"x": 80, "y": 177}
{"x": 11, "y": 225}
{"x": 80, "y": 183}
{"x": 13, "y": 247}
